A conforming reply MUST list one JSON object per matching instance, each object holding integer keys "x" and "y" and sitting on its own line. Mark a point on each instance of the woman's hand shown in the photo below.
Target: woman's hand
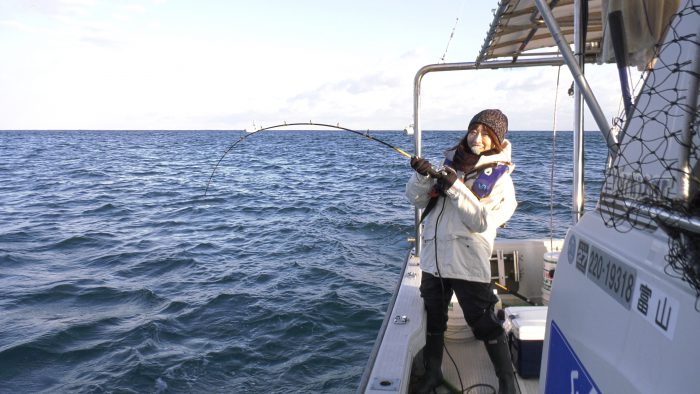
{"x": 447, "y": 178}
{"x": 421, "y": 166}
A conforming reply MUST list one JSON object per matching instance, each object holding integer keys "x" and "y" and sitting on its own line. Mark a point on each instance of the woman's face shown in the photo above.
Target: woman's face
{"x": 479, "y": 139}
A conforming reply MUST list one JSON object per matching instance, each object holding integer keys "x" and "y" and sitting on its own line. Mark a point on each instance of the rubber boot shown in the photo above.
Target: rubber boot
{"x": 500, "y": 357}
{"x": 432, "y": 358}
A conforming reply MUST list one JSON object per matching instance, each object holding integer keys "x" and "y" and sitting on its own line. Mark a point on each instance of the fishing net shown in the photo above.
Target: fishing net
{"x": 654, "y": 180}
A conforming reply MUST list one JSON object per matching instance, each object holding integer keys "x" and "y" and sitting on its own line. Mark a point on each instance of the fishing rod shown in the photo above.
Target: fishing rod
{"x": 513, "y": 292}
{"x": 285, "y": 124}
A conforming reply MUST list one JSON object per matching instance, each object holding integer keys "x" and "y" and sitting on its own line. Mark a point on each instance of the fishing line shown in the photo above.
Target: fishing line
{"x": 285, "y": 124}
{"x": 554, "y": 158}
{"x": 461, "y": 7}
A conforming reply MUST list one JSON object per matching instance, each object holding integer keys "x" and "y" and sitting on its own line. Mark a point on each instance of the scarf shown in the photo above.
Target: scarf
{"x": 464, "y": 159}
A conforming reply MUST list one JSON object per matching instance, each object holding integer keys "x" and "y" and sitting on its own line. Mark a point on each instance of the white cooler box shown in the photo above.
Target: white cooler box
{"x": 525, "y": 327}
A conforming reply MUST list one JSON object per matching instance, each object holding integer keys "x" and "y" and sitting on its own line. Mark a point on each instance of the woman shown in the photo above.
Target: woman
{"x": 464, "y": 204}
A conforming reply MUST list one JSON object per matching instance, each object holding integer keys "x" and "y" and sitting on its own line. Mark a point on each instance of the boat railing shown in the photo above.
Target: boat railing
{"x": 364, "y": 381}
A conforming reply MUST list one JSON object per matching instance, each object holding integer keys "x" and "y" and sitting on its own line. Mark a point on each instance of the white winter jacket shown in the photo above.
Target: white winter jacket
{"x": 461, "y": 226}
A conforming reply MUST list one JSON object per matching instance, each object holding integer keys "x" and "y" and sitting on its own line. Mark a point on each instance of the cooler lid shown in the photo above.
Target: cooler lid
{"x": 527, "y": 323}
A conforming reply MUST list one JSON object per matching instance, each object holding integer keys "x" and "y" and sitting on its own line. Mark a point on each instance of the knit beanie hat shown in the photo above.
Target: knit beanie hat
{"x": 495, "y": 120}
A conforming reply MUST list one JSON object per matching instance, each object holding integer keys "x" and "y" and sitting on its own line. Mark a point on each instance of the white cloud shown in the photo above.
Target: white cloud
{"x": 82, "y": 68}
{"x": 19, "y": 26}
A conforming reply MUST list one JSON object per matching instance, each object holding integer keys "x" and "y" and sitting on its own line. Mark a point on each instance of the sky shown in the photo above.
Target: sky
{"x": 232, "y": 65}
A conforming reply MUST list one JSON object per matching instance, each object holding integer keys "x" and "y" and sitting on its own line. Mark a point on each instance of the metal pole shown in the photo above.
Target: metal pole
{"x": 577, "y": 202}
{"x": 689, "y": 119}
{"x": 418, "y": 142}
{"x": 570, "y": 61}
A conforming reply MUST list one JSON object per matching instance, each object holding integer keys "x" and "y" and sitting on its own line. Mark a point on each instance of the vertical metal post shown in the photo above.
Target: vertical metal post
{"x": 417, "y": 138}
{"x": 577, "y": 202}
{"x": 683, "y": 191}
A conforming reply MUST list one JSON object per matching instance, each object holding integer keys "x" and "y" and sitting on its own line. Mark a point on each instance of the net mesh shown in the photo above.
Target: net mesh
{"x": 656, "y": 169}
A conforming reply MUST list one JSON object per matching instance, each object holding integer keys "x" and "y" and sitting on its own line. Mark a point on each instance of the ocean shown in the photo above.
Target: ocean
{"x": 117, "y": 274}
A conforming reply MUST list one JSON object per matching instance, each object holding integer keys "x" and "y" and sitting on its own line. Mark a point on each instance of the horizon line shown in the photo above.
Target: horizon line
{"x": 277, "y": 130}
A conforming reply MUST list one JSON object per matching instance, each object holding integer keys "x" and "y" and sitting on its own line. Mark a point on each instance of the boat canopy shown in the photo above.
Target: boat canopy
{"x": 518, "y": 29}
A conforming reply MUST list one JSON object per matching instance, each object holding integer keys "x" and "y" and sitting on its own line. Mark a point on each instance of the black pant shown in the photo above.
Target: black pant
{"x": 475, "y": 298}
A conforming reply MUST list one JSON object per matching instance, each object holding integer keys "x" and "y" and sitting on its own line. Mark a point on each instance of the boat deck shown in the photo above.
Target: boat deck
{"x": 475, "y": 370}
{"x": 468, "y": 369}
{"x": 466, "y": 366}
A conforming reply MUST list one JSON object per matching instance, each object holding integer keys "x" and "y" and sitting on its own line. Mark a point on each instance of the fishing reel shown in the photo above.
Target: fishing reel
{"x": 437, "y": 174}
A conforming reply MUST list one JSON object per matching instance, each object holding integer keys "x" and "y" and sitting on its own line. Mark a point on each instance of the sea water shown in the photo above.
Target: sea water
{"x": 117, "y": 274}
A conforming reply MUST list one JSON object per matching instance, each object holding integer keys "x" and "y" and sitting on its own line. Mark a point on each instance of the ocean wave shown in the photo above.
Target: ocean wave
{"x": 108, "y": 209}
{"x": 156, "y": 267}
{"x": 91, "y": 240}
{"x": 118, "y": 274}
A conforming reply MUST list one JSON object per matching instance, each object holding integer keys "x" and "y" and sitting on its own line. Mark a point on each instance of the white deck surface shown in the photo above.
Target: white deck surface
{"x": 475, "y": 368}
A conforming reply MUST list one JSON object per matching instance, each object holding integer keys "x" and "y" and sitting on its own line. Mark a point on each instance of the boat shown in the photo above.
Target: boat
{"x": 614, "y": 307}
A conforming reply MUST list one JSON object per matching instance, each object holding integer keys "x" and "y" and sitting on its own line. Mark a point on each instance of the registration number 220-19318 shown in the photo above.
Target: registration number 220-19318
{"x": 613, "y": 276}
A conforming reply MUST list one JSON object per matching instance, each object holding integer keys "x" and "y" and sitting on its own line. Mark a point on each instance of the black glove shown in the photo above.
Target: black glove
{"x": 421, "y": 166}
{"x": 447, "y": 178}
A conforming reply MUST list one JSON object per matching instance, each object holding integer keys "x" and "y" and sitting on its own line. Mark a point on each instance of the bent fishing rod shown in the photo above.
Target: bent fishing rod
{"x": 432, "y": 172}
